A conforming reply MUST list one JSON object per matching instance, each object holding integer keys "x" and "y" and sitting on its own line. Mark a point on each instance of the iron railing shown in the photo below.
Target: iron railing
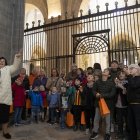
{"x": 59, "y": 43}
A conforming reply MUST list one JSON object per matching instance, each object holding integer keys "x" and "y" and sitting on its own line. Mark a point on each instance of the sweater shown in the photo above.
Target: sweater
{"x": 54, "y": 100}
{"x": 107, "y": 90}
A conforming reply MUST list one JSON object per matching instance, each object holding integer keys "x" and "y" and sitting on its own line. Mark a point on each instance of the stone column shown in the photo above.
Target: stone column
{"x": 11, "y": 28}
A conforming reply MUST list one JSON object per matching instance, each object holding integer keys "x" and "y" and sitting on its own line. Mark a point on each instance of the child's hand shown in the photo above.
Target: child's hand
{"x": 116, "y": 80}
{"x": 81, "y": 89}
{"x": 98, "y": 95}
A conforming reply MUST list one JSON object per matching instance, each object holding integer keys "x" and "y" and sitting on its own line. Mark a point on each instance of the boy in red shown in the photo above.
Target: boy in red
{"x": 19, "y": 99}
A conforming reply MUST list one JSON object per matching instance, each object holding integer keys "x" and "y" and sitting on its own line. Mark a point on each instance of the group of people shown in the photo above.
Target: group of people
{"x": 77, "y": 92}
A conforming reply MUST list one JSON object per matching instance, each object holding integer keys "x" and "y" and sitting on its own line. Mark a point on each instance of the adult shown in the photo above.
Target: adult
{"x": 81, "y": 75}
{"x": 133, "y": 97}
{"x": 97, "y": 69}
{"x": 22, "y": 73}
{"x": 41, "y": 79}
{"x": 54, "y": 80}
{"x": 5, "y": 91}
{"x": 114, "y": 69}
{"x": 73, "y": 73}
{"x": 33, "y": 75}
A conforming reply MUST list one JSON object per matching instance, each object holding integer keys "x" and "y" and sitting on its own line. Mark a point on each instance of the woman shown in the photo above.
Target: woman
{"x": 5, "y": 91}
{"x": 53, "y": 81}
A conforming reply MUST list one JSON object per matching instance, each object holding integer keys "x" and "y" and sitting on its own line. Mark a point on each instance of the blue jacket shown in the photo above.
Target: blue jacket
{"x": 36, "y": 98}
{"x": 39, "y": 81}
{"x": 54, "y": 100}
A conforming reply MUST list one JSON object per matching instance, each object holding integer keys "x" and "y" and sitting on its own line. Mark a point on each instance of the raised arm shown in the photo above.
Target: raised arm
{"x": 17, "y": 62}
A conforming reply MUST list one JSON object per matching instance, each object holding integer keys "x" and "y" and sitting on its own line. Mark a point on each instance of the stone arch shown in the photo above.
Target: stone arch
{"x": 41, "y": 5}
{"x": 32, "y": 13}
{"x": 71, "y": 7}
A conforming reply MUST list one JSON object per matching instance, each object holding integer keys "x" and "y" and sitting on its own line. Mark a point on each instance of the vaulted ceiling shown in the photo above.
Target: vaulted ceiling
{"x": 58, "y": 6}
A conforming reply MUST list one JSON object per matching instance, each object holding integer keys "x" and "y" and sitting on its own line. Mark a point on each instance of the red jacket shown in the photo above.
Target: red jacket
{"x": 19, "y": 95}
{"x": 44, "y": 97}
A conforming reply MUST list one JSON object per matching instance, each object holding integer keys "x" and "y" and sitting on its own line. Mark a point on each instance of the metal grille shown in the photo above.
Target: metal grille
{"x": 57, "y": 44}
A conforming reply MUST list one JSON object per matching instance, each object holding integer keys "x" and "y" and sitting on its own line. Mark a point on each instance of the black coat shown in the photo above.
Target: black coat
{"x": 133, "y": 89}
{"x": 88, "y": 99}
{"x": 107, "y": 90}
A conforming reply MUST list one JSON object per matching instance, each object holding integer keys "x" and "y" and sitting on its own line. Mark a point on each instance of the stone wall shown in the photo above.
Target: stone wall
{"x": 11, "y": 27}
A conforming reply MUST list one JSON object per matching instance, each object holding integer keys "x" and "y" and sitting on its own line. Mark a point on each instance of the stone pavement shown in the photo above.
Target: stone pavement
{"x": 43, "y": 131}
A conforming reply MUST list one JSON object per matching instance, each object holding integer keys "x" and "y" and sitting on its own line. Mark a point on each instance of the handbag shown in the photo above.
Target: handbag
{"x": 69, "y": 119}
{"x": 83, "y": 118}
{"x": 28, "y": 103}
{"x": 104, "y": 110}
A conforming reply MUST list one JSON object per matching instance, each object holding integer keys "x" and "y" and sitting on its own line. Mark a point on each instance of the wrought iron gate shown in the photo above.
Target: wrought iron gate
{"x": 57, "y": 44}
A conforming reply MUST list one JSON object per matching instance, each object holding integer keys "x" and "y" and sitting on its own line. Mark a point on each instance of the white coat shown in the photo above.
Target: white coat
{"x": 5, "y": 81}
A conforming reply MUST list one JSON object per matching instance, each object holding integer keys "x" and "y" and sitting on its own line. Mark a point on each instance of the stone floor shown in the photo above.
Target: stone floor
{"x": 43, "y": 131}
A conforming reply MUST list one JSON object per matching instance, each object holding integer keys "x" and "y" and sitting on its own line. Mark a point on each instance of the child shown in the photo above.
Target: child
{"x": 54, "y": 103}
{"x": 64, "y": 107}
{"x": 133, "y": 97}
{"x": 19, "y": 100}
{"x": 44, "y": 97}
{"x": 88, "y": 101}
{"x": 36, "y": 103}
{"x": 121, "y": 102}
{"x": 103, "y": 88}
{"x": 76, "y": 104}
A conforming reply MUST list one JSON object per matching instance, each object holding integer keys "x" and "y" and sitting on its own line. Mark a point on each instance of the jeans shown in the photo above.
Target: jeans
{"x": 17, "y": 115}
{"x": 63, "y": 118}
{"x": 97, "y": 119}
{"x": 35, "y": 112}
{"x": 53, "y": 115}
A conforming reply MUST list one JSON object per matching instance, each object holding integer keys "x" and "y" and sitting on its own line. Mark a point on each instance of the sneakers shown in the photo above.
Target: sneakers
{"x": 94, "y": 136}
{"x": 107, "y": 137}
{"x": 17, "y": 124}
{"x": 87, "y": 131}
{"x": 7, "y": 136}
